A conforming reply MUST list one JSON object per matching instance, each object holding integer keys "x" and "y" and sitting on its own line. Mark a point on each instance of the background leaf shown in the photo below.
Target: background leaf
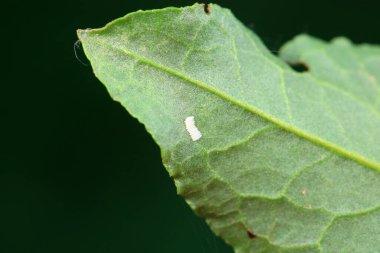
{"x": 276, "y": 143}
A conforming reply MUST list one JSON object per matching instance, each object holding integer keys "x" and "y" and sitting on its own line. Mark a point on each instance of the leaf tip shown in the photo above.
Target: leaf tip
{"x": 82, "y": 34}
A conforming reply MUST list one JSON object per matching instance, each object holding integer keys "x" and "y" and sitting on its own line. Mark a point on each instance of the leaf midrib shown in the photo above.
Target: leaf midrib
{"x": 326, "y": 144}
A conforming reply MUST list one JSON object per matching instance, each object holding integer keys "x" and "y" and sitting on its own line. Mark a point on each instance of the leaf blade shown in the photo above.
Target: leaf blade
{"x": 162, "y": 85}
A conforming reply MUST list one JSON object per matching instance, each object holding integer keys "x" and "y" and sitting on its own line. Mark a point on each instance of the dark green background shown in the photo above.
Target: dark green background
{"x": 77, "y": 172}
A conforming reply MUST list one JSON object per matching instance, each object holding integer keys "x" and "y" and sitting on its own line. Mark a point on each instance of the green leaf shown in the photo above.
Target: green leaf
{"x": 287, "y": 161}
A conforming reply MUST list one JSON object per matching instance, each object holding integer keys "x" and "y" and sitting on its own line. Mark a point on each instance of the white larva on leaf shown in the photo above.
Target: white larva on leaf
{"x": 193, "y": 131}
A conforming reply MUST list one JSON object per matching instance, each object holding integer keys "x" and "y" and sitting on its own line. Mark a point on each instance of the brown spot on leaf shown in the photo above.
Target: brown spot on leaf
{"x": 251, "y": 235}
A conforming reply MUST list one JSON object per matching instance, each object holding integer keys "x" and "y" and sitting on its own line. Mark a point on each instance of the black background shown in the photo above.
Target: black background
{"x": 77, "y": 172}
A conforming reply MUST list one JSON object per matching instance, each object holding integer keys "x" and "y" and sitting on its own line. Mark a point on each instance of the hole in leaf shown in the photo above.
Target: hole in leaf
{"x": 207, "y": 8}
{"x": 299, "y": 67}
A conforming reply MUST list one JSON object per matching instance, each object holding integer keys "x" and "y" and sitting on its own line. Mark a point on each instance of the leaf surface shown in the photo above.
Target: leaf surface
{"x": 287, "y": 161}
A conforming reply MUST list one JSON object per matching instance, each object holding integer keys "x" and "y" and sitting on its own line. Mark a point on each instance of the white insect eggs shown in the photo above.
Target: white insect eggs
{"x": 193, "y": 131}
